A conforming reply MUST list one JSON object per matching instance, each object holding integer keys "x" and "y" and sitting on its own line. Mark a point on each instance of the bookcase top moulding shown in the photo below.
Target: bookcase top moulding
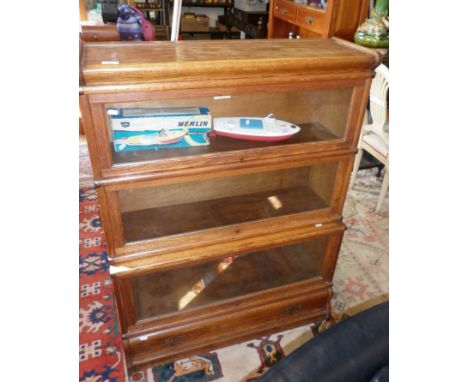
{"x": 123, "y": 66}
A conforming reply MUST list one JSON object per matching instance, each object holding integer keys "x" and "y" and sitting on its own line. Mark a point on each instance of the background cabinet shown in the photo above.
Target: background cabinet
{"x": 340, "y": 18}
{"x": 156, "y": 11}
{"x": 252, "y": 23}
{"x": 216, "y": 11}
{"x": 211, "y": 245}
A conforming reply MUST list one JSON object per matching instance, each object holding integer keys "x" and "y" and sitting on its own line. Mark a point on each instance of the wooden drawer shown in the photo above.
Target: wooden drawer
{"x": 156, "y": 345}
{"x": 285, "y": 10}
{"x": 310, "y": 19}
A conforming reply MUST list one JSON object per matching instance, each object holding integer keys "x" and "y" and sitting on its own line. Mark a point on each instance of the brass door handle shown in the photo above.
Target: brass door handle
{"x": 309, "y": 19}
{"x": 284, "y": 11}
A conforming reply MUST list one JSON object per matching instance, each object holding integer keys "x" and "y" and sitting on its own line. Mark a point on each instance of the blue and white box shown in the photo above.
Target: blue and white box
{"x": 159, "y": 128}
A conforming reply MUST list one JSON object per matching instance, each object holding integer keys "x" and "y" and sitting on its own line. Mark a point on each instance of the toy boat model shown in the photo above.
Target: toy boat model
{"x": 266, "y": 129}
{"x": 162, "y": 137}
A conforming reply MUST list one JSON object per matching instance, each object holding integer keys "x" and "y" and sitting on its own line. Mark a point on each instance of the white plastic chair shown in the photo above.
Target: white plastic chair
{"x": 374, "y": 136}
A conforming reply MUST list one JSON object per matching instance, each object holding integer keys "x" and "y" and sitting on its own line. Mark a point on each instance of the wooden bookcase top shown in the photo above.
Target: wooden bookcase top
{"x": 123, "y": 63}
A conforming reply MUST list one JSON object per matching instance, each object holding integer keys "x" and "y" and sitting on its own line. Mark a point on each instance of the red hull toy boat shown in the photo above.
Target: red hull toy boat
{"x": 266, "y": 129}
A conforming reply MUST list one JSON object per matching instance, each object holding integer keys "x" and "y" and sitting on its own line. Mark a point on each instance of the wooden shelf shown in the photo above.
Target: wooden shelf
{"x": 309, "y": 133}
{"x": 189, "y": 217}
{"x": 213, "y": 282}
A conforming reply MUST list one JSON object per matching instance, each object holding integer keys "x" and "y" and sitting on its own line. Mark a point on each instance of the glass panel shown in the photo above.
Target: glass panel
{"x": 318, "y": 4}
{"x": 163, "y": 210}
{"x": 94, "y": 10}
{"x": 181, "y": 289}
{"x": 320, "y": 114}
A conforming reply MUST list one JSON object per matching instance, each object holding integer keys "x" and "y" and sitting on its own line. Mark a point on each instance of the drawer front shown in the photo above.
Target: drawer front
{"x": 310, "y": 19}
{"x": 219, "y": 330}
{"x": 285, "y": 10}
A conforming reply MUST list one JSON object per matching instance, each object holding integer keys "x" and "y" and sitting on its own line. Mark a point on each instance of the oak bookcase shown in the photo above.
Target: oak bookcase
{"x": 213, "y": 245}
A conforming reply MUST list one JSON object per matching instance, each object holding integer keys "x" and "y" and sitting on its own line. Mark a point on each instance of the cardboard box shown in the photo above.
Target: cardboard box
{"x": 191, "y": 22}
{"x": 153, "y": 129}
{"x": 251, "y": 5}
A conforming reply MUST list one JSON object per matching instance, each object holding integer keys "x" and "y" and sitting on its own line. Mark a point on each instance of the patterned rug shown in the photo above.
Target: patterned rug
{"x": 361, "y": 281}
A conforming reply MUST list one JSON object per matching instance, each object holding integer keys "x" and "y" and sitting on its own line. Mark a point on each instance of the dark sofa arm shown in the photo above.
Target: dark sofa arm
{"x": 354, "y": 350}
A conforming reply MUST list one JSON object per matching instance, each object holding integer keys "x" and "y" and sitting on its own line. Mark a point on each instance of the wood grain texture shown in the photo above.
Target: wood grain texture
{"x": 171, "y": 291}
{"x": 331, "y": 257}
{"x": 196, "y": 247}
{"x": 349, "y": 15}
{"x": 285, "y": 10}
{"x": 200, "y": 329}
{"x": 167, "y": 62}
{"x": 100, "y": 32}
{"x": 340, "y": 18}
{"x": 101, "y": 135}
{"x": 83, "y": 11}
{"x": 250, "y": 301}
{"x": 124, "y": 301}
{"x": 114, "y": 218}
{"x": 313, "y": 20}
{"x": 211, "y": 214}
{"x": 237, "y": 244}
{"x": 215, "y": 188}
{"x": 284, "y": 79}
{"x": 231, "y": 164}
{"x": 111, "y": 220}
{"x": 162, "y": 208}
{"x": 87, "y": 123}
{"x": 169, "y": 216}
{"x": 320, "y": 108}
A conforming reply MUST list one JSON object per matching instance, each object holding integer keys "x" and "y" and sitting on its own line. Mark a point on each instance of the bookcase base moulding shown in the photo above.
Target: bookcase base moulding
{"x": 212, "y": 332}
{"x": 213, "y": 244}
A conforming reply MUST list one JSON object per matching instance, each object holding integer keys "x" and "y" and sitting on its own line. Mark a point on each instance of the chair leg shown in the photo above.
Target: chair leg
{"x": 380, "y": 167}
{"x": 383, "y": 190}
{"x": 357, "y": 162}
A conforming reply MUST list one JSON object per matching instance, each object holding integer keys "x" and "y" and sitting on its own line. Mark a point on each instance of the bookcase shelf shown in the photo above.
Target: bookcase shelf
{"x": 165, "y": 221}
{"x": 186, "y": 288}
{"x": 309, "y": 133}
{"x": 160, "y": 17}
